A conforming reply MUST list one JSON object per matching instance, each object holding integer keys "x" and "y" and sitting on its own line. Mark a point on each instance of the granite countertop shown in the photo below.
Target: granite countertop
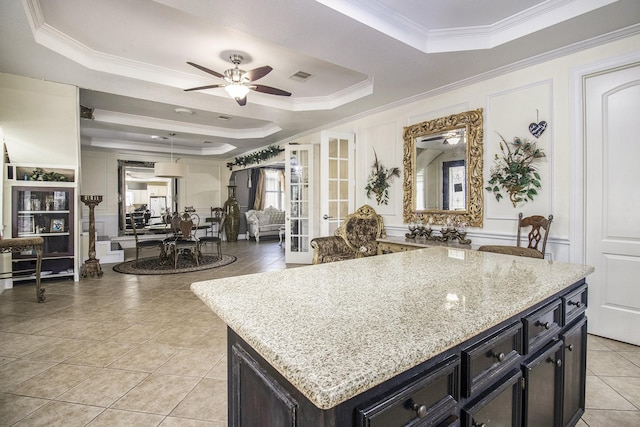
{"x": 335, "y": 330}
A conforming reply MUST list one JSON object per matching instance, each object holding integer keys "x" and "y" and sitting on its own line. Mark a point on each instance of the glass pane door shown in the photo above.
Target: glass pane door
{"x": 299, "y": 215}
{"x": 338, "y": 175}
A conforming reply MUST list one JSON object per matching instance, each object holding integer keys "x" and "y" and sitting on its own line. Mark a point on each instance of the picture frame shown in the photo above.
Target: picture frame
{"x": 57, "y": 225}
{"x": 26, "y": 224}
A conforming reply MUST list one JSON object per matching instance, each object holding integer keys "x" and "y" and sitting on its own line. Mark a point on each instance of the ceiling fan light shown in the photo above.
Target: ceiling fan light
{"x": 237, "y": 91}
{"x": 454, "y": 140}
{"x": 170, "y": 170}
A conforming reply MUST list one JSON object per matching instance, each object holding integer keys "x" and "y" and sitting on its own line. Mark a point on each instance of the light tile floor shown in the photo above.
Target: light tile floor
{"x": 144, "y": 351}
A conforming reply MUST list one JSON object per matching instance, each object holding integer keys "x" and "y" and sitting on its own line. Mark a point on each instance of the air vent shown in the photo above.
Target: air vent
{"x": 300, "y": 76}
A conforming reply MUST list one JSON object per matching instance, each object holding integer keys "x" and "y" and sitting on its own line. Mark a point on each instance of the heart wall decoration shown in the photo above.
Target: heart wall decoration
{"x": 537, "y": 129}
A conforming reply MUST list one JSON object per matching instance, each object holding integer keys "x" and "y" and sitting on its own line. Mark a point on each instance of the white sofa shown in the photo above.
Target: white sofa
{"x": 264, "y": 223}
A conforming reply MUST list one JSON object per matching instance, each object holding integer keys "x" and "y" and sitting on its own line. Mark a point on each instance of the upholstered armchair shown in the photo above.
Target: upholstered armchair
{"x": 355, "y": 238}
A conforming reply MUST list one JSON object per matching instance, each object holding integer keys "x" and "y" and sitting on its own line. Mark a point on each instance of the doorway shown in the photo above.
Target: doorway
{"x": 611, "y": 231}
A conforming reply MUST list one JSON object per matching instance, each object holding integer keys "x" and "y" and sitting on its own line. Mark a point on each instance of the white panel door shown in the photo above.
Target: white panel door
{"x": 299, "y": 216}
{"x": 612, "y": 153}
{"x": 337, "y": 172}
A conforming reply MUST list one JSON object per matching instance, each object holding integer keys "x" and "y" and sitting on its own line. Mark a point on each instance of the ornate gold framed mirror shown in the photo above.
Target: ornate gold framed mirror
{"x": 443, "y": 170}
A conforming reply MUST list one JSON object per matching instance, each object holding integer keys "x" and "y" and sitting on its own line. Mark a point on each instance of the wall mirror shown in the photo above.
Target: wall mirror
{"x": 443, "y": 170}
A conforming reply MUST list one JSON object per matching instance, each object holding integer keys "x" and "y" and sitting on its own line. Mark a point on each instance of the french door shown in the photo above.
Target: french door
{"x": 337, "y": 169}
{"x": 299, "y": 217}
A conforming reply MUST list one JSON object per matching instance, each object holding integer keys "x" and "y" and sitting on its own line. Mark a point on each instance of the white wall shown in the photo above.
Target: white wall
{"x": 40, "y": 128}
{"x": 203, "y": 187}
{"x": 511, "y": 102}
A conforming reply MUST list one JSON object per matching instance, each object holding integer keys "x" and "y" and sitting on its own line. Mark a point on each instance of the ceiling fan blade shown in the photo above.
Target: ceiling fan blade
{"x": 206, "y": 70}
{"x": 258, "y": 73}
{"x": 203, "y": 87}
{"x": 270, "y": 90}
{"x": 242, "y": 101}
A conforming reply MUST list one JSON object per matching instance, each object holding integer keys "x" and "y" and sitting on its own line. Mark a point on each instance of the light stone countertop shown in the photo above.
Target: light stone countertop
{"x": 336, "y": 330}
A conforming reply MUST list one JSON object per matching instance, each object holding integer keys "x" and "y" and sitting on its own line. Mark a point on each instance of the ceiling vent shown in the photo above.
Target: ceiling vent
{"x": 300, "y": 76}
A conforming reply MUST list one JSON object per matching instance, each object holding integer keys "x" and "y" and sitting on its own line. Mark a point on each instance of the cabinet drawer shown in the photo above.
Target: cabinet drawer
{"x": 501, "y": 406}
{"x": 491, "y": 358}
{"x": 574, "y": 303}
{"x": 541, "y": 325}
{"x": 428, "y": 401}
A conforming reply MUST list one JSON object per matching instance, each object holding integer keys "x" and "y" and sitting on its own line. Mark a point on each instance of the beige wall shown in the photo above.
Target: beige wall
{"x": 203, "y": 187}
{"x": 511, "y": 102}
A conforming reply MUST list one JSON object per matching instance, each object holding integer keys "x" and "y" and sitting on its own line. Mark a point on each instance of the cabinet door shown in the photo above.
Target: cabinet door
{"x": 542, "y": 393}
{"x": 575, "y": 360}
{"x": 255, "y": 398}
{"x": 429, "y": 401}
{"x": 499, "y": 407}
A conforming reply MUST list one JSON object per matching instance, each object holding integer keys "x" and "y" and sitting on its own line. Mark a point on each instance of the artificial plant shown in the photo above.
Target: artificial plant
{"x": 379, "y": 181}
{"x": 514, "y": 172}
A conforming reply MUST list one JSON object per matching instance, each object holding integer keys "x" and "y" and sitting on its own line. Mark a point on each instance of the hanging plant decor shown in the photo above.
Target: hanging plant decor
{"x": 513, "y": 171}
{"x": 256, "y": 157}
{"x": 378, "y": 182}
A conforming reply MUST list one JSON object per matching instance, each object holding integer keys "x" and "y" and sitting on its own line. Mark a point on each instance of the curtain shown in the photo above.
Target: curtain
{"x": 258, "y": 204}
{"x": 254, "y": 175}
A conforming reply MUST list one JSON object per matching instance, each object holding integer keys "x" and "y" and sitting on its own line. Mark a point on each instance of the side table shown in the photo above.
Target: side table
{"x": 20, "y": 244}
{"x": 281, "y": 235}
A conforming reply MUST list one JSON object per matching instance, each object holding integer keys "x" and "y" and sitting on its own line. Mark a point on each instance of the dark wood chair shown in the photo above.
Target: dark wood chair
{"x": 185, "y": 240}
{"x": 218, "y": 216}
{"x": 537, "y": 237}
{"x": 145, "y": 243}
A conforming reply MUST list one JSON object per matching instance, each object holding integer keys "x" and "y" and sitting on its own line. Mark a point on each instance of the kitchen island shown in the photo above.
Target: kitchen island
{"x": 435, "y": 336}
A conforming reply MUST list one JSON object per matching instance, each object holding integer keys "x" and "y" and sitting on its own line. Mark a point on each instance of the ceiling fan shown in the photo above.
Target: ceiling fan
{"x": 240, "y": 82}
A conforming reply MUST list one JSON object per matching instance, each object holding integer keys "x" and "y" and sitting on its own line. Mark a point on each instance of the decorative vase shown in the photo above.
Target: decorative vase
{"x": 232, "y": 222}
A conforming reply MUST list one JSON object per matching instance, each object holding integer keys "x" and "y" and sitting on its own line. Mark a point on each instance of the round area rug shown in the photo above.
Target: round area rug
{"x": 185, "y": 265}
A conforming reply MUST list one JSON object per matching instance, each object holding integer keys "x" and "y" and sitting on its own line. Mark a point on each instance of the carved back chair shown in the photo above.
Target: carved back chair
{"x": 355, "y": 238}
{"x": 145, "y": 243}
{"x": 218, "y": 216}
{"x": 185, "y": 239}
{"x": 538, "y": 226}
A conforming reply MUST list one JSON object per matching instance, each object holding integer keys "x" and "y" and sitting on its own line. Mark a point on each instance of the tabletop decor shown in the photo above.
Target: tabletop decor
{"x": 513, "y": 170}
{"x": 448, "y": 233}
{"x": 379, "y": 181}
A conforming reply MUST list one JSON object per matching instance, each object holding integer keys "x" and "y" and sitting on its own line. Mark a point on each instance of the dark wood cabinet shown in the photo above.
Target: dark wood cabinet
{"x": 542, "y": 375}
{"x": 527, "y": 371}
{"x": 431, "y": 400}
{"x": 500, "y": 406}
{"x": 575, "y": 362}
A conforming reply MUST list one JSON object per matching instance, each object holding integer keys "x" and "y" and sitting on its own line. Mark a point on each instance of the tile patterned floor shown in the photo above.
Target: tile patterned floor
{"x": 127, "y": 350}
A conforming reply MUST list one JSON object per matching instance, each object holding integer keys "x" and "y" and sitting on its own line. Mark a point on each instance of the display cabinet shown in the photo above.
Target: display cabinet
{"x": 48, "y": 212}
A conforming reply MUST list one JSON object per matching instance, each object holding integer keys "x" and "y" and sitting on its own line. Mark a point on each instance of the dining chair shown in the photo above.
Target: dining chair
{"x": 539, "y": 227}
{"x": 146, "y": 243}
{"x": 216, "y": 237}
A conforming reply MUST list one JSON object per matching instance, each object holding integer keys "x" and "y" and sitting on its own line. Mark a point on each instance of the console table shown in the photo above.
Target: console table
{"x": 20, "y": 244}
{"x": 439, "y": 336}
{"x": 394, "y": 244}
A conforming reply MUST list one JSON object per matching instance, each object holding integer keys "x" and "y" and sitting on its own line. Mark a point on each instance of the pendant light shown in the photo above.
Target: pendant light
{"x": 170, "y": 169}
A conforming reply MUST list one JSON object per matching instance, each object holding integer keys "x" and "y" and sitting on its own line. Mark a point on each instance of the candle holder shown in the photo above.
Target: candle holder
{"x": 92, "y": 265}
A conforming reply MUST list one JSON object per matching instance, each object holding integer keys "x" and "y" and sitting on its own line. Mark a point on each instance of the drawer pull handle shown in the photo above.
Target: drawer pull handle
{"x": 421, "y": 410}
{"x": 545, "y": 325}
{"x": 500, "y": 357}
{"x": 570, "y": 347}
{"x": 557, "y": 362}
{"x": 576, "y": 303}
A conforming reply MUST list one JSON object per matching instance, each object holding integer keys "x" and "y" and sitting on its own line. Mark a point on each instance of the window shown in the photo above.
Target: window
{"x": 273, "y": 189}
